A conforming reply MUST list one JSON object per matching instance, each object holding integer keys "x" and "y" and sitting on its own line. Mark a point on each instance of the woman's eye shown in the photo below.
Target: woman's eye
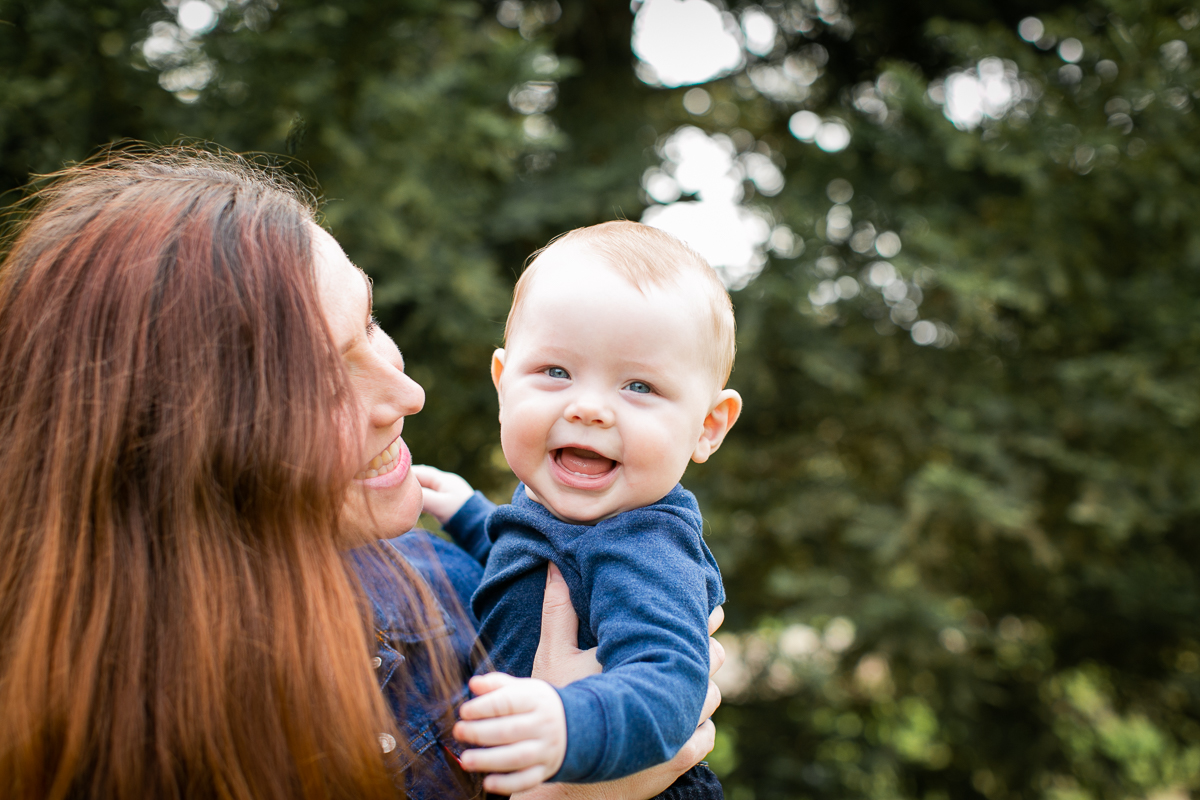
{"x": 639, "y": 387}
{"x": 557, "y": 372}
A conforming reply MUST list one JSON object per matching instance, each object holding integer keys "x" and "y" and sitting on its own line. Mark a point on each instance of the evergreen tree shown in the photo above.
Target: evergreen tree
{"x": 955, "y": 520}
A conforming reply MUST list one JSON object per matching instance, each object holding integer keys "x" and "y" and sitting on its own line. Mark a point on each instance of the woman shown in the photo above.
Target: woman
{"x": 199, "y": 420}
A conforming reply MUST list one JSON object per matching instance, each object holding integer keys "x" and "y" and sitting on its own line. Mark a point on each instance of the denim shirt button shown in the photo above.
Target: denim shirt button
{"x": 376, "y": 662}
{"x": 387, "y": 742}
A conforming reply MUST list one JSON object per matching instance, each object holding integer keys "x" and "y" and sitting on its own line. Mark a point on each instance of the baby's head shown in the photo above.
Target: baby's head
{"x": 617, "y": 349}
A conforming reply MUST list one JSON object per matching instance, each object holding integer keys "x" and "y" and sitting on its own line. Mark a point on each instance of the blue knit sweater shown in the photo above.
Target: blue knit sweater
{"x": 643, "y": 584}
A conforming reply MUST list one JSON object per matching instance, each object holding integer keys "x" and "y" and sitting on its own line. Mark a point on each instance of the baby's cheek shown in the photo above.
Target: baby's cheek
{"x": 521, "y": 444}
{"x": 663, "y": 452}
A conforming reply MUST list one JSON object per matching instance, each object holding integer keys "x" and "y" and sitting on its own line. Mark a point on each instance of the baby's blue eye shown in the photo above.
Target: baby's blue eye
{"x": 557, "y": 372}
{"x": 639, "y": 387}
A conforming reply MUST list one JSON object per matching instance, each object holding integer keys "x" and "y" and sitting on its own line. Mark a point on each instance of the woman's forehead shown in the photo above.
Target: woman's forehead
{"x": 344, "y": 290}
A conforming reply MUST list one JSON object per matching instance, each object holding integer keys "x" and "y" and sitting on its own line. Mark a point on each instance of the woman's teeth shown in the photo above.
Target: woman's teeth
{"x": 381, "y": 464}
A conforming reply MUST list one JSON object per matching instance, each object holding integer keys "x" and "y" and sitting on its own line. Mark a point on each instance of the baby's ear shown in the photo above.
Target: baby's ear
{"x": 497, "y": 371}
{"x": 720, "y": 419}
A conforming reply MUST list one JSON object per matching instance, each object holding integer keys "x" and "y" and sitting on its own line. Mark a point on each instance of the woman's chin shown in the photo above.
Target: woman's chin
{"x": 376, "y": 509}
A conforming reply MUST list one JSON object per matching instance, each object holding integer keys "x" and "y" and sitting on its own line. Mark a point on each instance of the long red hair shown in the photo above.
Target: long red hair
{"x": 177, "y": 616}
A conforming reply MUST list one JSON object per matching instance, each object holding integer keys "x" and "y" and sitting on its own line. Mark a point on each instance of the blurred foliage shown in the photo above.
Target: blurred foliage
{"x": 964, "y": 569}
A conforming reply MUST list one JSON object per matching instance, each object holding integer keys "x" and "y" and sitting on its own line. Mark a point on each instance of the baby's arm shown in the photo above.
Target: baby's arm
{"x": 522, "y": 724}
{"x": 648, "y": 610}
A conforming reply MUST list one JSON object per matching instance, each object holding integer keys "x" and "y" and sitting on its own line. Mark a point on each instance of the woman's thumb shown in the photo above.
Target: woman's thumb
{"x": 560, "y": 626}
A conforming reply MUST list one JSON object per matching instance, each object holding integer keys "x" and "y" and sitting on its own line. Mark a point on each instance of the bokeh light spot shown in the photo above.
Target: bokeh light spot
{"x": 881, "y": 273}
{"x": 833, "y": 136}
{"x": 1070, "y": 50}
{"x": 924, "y": 333}
{"x": 887, "y": 244}
{"x": 681, "y": 42}
{"x": 839, "y": 190}
{"x": 196, "y": 16}
{"x": 732, "y": 237}
{"x": 697, "y": 101}
{"x": 804, "y": 125}
{"x": 759, "y": 30}
{"x": 989, "y": 90}
{"x": 1031, "y": 29}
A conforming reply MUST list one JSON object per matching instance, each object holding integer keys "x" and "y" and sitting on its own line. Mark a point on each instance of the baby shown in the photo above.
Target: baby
{"x": 617, "y": 349}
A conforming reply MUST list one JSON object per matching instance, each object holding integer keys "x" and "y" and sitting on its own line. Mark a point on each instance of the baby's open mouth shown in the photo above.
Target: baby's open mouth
{"x": 582, "y": 462}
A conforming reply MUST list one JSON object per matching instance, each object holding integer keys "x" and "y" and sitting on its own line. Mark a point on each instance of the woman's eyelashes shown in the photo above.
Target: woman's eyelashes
{"x": 372, "y": 326}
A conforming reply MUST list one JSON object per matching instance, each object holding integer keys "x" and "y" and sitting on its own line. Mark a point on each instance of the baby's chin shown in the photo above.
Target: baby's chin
{"x": 576, "y": 510}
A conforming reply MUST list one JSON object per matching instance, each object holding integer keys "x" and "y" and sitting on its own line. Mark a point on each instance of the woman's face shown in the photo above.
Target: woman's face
{"x": 385, "y": 498}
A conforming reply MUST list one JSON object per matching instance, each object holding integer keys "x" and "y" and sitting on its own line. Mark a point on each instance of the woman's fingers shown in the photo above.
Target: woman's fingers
{"x": 711, "y": 700}
{"x": 716, "y": 656}
{"x": 715, "y": 619}
{"x": 641, "y": 785}
{"x": 696, "y": 748}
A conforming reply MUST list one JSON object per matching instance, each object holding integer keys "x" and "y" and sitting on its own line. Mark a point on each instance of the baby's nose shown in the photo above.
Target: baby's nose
{"x": 589, "y": 411}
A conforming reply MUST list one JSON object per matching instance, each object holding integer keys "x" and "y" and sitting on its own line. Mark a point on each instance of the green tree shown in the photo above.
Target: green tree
{"x": 956, "y": 519}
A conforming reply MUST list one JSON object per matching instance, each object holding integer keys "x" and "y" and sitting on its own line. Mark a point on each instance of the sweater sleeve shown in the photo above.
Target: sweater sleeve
{"x": 468, "y": 527}
{"x": 649, "y": 610}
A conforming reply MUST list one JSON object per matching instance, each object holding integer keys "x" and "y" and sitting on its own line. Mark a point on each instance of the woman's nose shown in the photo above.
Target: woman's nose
{"x": 589, "y": 410}
{"x": 400, "y": 396}
{"x": 390, "y": 393}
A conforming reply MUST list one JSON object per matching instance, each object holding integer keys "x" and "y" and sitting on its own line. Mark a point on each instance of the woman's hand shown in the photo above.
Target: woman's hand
{"x": 444, "y": 492}
{"x": 559, "y": 661}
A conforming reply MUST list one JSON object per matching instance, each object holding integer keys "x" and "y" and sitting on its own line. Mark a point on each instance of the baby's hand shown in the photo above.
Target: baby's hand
{"x": 522, "y": 724}
{"x": 444, "y": 492}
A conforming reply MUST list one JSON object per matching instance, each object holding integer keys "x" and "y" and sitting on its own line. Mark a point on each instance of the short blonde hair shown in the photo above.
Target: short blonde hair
{"x": 647, "y": 256}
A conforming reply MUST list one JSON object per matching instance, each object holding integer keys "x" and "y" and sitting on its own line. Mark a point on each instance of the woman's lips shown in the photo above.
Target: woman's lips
{"x": 390, "y": 467}
{"x": 580, "y": 468}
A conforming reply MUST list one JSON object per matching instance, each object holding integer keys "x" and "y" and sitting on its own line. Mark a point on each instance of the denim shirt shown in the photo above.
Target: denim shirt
{"x": 433, "y": 771}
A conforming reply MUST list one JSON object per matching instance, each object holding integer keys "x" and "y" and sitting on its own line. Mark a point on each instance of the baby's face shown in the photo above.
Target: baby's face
{"x": 604, "y": 391}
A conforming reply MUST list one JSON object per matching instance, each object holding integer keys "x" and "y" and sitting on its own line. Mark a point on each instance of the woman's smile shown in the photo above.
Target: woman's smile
{"x": 389, "y": 468}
